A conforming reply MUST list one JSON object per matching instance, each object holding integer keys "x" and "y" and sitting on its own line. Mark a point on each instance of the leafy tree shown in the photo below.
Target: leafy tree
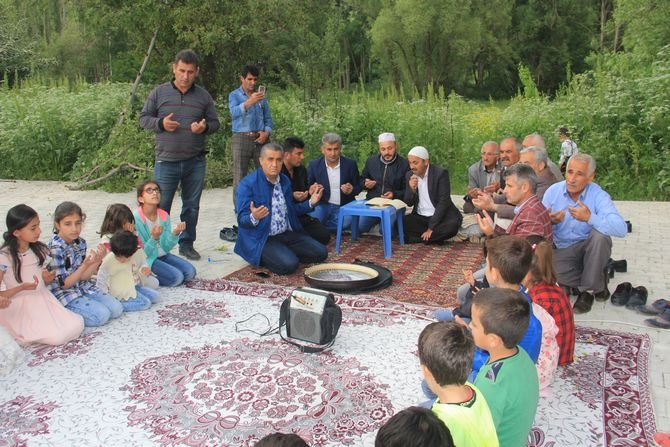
{"x": 424, "y": 42}
{"x": 553, "y": 37}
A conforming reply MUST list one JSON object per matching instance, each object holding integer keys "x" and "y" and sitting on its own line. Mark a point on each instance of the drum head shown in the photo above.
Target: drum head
{"x": 341, "y": 277}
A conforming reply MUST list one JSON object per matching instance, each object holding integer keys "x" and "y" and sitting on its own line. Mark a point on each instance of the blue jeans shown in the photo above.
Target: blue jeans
{"x": 171, "y": 270}
{"x": 191, "y": 174}
{"x": 283, "y": 252}
{"x": 96, "y": 308}
{"x": 140, "y": 302}
{"x": 148, "y": 292}
{"x": 327, "y": 213}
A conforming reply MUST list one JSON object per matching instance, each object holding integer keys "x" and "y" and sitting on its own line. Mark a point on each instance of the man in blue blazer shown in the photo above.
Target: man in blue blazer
{"x": 340, "y": 180}
{"x": 269, "y": 231}
{"x": 434, "y": 217}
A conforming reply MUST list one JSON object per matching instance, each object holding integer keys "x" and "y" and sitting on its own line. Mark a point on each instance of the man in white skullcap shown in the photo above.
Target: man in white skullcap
{"x": 434, "y": 218}
{"x": 383, "y": 176}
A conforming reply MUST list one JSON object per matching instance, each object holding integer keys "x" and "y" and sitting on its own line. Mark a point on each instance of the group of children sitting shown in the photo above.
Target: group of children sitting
{"x": 49, "y": 292}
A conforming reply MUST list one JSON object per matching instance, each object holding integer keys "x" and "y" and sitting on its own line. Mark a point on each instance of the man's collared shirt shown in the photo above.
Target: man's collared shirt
{"x": 604, "y": 216}
{"x": 254, "y": 119}
{"x": 425, "y": 206}
{"x": 278, "y": 211}
{"x": 334, "y": 182}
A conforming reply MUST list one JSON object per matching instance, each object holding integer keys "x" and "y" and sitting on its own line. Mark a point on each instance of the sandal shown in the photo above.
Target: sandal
{"x": 228, "y": 234}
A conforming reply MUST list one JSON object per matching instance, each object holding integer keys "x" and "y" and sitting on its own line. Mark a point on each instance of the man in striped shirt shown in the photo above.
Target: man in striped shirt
{"x": 181, "y": 114}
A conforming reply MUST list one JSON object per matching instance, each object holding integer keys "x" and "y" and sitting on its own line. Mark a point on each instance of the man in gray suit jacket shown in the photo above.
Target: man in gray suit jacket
{"x": 484, "y": 175}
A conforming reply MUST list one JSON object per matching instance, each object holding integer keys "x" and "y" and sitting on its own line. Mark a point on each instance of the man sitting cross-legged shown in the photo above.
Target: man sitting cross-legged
{"x": 270, "y": 234}
{"x": 434, "y": 218}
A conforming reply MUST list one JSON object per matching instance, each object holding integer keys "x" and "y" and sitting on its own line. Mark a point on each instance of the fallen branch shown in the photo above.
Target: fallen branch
{"x": 119, "y": 168}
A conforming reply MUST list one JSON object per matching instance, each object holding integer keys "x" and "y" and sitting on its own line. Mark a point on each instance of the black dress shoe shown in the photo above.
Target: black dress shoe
{"x": 622, "y": 294}
{"x": 638, "y": 297}
{"x": 620, "y": 266}
{"x": 602, "y": 296}
{"x": 584, "y": 303}
{"x": 189, "y": 253}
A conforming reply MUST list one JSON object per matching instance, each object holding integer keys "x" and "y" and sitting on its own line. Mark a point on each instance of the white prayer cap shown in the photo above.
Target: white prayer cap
{"x": 419, "y": 151}
{"x": 386, "y": 136}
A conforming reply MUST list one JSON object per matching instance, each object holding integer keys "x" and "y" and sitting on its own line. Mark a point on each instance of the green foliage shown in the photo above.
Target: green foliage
{"x": 618, "y": 113}
{"x": 45, "y": 130}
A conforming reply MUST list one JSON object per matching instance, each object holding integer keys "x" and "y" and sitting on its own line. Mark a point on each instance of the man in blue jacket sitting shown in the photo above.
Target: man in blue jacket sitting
{"x": 270, "y": 234}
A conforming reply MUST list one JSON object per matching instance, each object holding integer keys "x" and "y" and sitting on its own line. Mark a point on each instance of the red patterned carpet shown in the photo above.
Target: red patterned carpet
{"x": 194, "y": 370}
{"x": 422, "y": 274}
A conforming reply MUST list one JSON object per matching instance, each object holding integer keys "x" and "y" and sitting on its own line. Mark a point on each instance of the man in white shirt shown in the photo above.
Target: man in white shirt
{"x": 434, "y": 218}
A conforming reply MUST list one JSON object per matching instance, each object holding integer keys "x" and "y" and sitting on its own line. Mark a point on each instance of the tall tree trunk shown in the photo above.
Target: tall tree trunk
{"x": 136, "y": 84}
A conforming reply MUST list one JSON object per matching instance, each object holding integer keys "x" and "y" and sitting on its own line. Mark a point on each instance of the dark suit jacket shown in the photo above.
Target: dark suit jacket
{"x": 316, "y": 172}
{"x": 439, "y": 190}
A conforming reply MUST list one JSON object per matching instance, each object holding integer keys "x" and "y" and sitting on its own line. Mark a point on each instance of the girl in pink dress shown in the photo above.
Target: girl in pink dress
{"x": 33, "y": 315}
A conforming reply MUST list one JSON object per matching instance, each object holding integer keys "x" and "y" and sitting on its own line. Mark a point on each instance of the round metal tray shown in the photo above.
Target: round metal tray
{"x": 340, "y": 277}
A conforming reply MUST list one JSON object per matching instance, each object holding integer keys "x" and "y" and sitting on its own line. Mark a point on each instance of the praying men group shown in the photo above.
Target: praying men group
{"x": 276, "y": 209}
{"x": 287, "y": 216}
{"x": 581, "y": 221}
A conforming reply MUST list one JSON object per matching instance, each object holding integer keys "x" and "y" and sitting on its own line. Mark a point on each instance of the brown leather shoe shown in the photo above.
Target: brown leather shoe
{"x": 584, "y": 303}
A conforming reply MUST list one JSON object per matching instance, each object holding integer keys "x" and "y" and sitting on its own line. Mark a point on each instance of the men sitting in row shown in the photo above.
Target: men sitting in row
{"x": 339, "y": 176}
{"x": 434, "y": 217}
{"x": 383, "y": 176}
{"x": 584, "y": 220}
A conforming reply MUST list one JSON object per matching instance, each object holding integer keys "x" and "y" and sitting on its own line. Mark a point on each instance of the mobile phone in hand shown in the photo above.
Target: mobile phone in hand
{"x": 261, "y": 89}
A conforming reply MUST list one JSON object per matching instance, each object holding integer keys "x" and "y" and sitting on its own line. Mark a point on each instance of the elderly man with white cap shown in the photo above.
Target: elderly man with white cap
{"x": 434, "y": 218}
{"x": 383, "y": 176}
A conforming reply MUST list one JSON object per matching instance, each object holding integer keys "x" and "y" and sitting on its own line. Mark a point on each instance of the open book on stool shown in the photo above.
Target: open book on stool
{"x": 382, "y": 202}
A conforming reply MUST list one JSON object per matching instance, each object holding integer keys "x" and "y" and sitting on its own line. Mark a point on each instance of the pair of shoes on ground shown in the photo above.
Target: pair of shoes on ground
{"x": 660, "y": 309}
{"x": 585, "y": 300}
{"x": 631, "y": 297}
{"x": 229, "y": 234}
{"x": 189, "y": 253}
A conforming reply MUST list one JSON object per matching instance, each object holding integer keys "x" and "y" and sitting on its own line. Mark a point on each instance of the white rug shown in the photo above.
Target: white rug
{"x": 180, "y": 374}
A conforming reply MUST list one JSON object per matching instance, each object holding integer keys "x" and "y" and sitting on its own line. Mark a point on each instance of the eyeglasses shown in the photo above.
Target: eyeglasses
{"x": 152, "y": 190}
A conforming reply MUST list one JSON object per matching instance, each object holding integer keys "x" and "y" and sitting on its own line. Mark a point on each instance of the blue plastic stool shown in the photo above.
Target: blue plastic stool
{"x": 358, "y": 208}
